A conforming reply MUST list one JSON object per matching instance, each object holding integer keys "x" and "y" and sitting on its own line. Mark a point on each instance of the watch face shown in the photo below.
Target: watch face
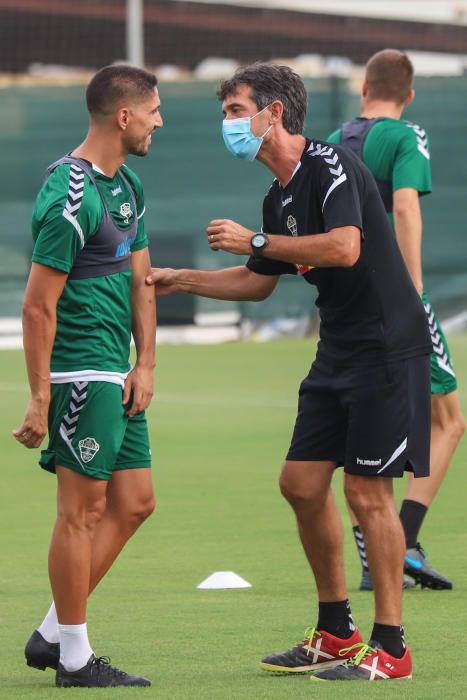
{"x": 259, "y": 240}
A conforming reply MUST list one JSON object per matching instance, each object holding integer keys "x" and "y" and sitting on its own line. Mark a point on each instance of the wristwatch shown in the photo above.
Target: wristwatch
{"x": 258, "y": 243}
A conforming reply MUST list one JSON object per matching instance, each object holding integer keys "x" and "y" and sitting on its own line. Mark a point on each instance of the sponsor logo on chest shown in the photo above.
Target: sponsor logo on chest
{"x": 124, "y": 248}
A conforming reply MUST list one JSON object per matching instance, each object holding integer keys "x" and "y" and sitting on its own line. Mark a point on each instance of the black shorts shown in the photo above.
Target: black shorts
{"x": 375, "y": 421}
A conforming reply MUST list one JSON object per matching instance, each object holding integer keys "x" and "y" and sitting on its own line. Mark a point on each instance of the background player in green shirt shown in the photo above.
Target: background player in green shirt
{"x": 396, "y": 152}
{"x": 85, "y": 296}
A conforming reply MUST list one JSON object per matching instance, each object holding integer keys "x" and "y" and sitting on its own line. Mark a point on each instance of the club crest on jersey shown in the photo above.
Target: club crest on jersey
{"x": 88, "y": 448}
{"x": 292, "y": 225}
{"x": 125, "y": 211}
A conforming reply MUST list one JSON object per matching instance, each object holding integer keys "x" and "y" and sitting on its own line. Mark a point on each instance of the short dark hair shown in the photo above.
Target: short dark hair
{"x": 114, "y": 84}
{"x": 389, "y": 74}
{"x": 271, "y": 82}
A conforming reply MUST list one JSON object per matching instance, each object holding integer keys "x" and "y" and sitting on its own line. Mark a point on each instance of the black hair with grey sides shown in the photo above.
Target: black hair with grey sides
{"x": 270, "y": 82}
{"x": 113, "y": 85}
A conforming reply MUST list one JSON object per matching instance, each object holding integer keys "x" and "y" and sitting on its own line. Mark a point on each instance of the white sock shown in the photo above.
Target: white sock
{"x": 75, "y": 649}
{"x": 49, "y": 627}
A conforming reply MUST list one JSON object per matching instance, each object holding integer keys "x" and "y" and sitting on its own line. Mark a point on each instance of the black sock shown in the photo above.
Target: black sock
{"x": 357, "y": 533}
{"x": 391, "y": 638}
{"x": 411, "y": 515}
{"x": 336, "y": 618}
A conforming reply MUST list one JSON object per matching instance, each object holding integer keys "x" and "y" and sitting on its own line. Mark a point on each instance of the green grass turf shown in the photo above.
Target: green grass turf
{"x": 220, "y": 427}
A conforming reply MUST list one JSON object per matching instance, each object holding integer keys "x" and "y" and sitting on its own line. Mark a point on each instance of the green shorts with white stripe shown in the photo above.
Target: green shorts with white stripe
{"x": 90, "y": 433}
{"x": 443, "y": 376}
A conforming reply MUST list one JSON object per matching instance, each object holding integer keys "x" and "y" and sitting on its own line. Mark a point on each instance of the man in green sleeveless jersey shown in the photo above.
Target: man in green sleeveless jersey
{"x": 85, "y": 296}
{"x": 397, "y": 153}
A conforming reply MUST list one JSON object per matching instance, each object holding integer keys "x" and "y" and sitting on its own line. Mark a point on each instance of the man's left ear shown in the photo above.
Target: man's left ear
{"x": 277, "y": 110}
{"x": 122, "y": 118}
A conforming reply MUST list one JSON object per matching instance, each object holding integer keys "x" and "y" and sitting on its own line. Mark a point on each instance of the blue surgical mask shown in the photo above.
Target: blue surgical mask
{"x": 239, "y": 139}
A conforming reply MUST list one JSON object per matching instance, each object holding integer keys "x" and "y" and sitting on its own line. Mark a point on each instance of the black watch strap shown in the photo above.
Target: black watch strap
{"x": 258, "y": 243}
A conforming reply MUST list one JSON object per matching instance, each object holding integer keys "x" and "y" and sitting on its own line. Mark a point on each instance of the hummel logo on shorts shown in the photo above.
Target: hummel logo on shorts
{"x": 369, "y": 462}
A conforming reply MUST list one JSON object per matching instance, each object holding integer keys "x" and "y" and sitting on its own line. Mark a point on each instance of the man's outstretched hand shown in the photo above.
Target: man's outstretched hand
{"x": 164, "y": 280}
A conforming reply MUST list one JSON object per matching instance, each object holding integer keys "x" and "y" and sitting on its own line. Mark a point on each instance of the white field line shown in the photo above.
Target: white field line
{"x": 455, "y": 324}
{"x": 13, "y": 388}
{"x": 223, "y": 400}
{"x": 188, "y": 399}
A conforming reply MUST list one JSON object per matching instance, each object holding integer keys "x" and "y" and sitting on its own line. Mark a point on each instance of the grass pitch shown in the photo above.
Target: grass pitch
{"x": 220, "y": 428}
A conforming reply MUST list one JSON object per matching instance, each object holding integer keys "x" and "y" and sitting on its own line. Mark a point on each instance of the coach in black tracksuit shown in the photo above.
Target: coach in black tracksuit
{"x": 365, "y": 403}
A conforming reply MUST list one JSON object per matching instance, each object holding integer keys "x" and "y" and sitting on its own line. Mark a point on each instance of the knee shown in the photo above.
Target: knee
{"x": 353, "y": 496}
{"x": 458, "y": 426}
{"x": 146, "y": 508}
{"x": 363, "y": 500}
{"x": 297, "y": 490}
{"x": 82, "y": 517}
{"x": 140, "y": 511}
{"x": 288, "y": 487}
{"x": 452, "y": 429}
{"x": 450, "y": 422}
